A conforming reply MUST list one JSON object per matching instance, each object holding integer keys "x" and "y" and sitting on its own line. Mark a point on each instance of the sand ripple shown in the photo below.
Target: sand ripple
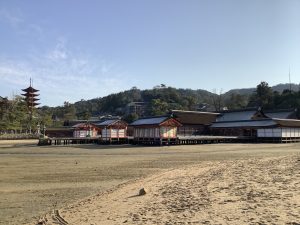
{"x": 256, "y": 191}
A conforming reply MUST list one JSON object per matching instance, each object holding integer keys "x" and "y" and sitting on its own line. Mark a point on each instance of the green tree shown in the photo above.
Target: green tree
{"x": 158, "y": 107}
{"x": 262, "y": 97}
{"x": 69, "y": 111}
{"x": 264, "y": 94}
{"x": 4, "y": 110}
{"x": 217, "y": 100}
{"x": 236, "y": 101}
{"x": 130, "y": 118}
{"x": 14, "y": 116}
{"x": 45, "y": 117}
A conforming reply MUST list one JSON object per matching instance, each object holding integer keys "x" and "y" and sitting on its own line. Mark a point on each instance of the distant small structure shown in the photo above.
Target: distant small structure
{"x": 161, "y": 86}
{"x": 138, "y": 108}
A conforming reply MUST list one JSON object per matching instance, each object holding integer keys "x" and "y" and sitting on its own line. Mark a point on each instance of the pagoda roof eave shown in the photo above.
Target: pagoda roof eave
{"x": 30, "y": 94}
{"x": 30, "y": 89}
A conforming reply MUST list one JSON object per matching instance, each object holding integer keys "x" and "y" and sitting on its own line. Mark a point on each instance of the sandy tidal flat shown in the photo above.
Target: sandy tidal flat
{"x": 34, "y": 180}
{"x": 254, "y": 191}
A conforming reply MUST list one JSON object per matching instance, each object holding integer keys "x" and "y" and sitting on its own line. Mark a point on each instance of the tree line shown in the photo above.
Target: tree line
{"x": 14, "y": 113}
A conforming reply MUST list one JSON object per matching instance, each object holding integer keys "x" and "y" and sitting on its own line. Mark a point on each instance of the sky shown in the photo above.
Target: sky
{"x": 77, "y": 50}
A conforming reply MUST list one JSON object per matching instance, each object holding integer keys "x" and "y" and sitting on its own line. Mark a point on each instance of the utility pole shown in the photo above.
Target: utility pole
{"x": 290, "y": 80}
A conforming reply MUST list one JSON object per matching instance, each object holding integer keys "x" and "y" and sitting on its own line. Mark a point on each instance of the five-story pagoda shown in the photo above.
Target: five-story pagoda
{"x": 31, "y": 101}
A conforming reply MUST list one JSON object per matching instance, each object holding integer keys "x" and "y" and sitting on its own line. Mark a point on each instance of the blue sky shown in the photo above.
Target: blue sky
{"x": 85, "y": 49}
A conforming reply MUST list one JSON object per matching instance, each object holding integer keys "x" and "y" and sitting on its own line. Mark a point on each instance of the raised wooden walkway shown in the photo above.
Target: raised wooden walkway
{"x": 200, "y": 139}
{"x": 86, "y": 140}
{"x": 180, "y": 140}
{"x": 278, "y": 140}
{"x": 68, "y": 141}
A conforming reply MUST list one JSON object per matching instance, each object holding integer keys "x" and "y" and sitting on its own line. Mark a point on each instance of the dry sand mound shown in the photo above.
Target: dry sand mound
{"x": 256, "y": 191}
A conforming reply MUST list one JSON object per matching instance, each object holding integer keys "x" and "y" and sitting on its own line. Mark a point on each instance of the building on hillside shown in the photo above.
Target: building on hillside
{"x": 138, "y": 108}
{"x": 83, "y": 130}
{"x": 113, "y": 130}
{"x": 275, "y": 125}
{"x": 155, "y": 130}
{"x": 194, "y": 122}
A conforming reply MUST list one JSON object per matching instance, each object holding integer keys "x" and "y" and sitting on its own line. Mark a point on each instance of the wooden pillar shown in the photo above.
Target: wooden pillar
{"x": 110, "y": 135}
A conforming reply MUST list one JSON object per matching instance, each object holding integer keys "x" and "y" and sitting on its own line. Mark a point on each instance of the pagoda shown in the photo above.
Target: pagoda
{"x": 30, "y": 98}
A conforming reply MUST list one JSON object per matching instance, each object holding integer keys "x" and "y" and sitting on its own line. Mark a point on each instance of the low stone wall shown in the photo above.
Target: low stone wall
{"x": 18, "y": 136}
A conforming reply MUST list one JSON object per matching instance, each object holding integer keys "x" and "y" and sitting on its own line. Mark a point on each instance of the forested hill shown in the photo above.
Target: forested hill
{"x": 249, "y": 91}
{"x": 156, "y": 101}
{"x": 159, "y": 100}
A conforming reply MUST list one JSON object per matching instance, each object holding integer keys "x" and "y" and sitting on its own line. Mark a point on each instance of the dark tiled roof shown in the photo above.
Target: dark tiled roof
{"x": 150, "y": 121}
{"x": 194, "y": 112}
{"x": 287, "y": 122}
{"x": 106, "y": 123}
{"x": 289, "y": 114}
{"x": 258, "y": 123}
{"x": 83, "y": 125}
{"x": 30, "y": 89}
{"x": 236, "y": 116}
{"x": 75, "y": 122}
{"x": 78, "y": 125}
{"x": 249, "y": 123}
{"x": 194, "y": 117}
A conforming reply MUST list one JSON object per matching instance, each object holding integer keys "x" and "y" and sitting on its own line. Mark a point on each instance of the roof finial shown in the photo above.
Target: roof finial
{"x": 30, "y": 81}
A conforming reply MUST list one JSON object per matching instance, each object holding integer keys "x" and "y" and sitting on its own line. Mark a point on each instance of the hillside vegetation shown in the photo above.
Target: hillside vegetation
{"x": 158, "y": 101}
